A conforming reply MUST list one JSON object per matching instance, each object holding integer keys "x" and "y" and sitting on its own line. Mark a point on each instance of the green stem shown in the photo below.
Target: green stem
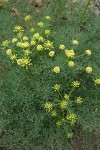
{"x": 85, "y": 9}
{"x": 71, "y": 91}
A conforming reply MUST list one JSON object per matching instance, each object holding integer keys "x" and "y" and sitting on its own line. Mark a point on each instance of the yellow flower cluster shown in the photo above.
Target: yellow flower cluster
{"x": 40, "y": 24}
{"x": 79, "y": 100}
{"x": 48, "y": 45}
{"x": 71, "y": 64}
{"x": 70, "y": 53}
{"x": 75, "y": 84}
{"x": 63, "y": 104}
{"x": 88, "y": 69}
{"x": 5, "y": 43}
{"x": 75, "y": 42}
{"x": 56, "y": 87}
{"x": 51, "y": 53}
{"x": 48, "y": 17}
{"x": 48, "y": 106}
{"x": 56, "y": 69}
{"x": 18, "y": 29}
{"x": 69, "y": 135}
{"x": 62, "y": 47}
{"x": 97, "y": 81}
{"x": 72, "y": 118}
{"x": 27, "y": 18}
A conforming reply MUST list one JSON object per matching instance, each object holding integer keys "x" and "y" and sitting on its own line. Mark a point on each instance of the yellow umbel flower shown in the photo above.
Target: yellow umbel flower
{"x": 97, "y": 81}
{"x": 72, "y": 118}
{"x": 5, "y": 43}
{"x": 47, "y": 32}
{"x": 48, "y": 17}
{"x": 19, "y": 61}
{"x": 70, "y": 53}
{"x": 27, "y": 52}
{"x": 18, "y": 29}
{"x": 12, "y": 57}
{"x": 20, "y": 44}
{"x": 32, "y": 29}
{"x": 41, "y": 39}
{"x": 53, "y": 113}
{"x": 63, "y": 104}
{"x": 9, "y": 52}
{"x": 19, "y": 35}
{"x": 71, "y": 64}
{"x": 27, "y": 18}
{"x": 79, "y": 100}
{"x": 75, "y": 42}
{"x": 88, "y": 69}
{"x": 40, "y": 24}
{"x": 39, "y": 47}
{"x": 88, "y": 52}
{"x": 25, "y": 38}
{"x": 36, "y": 36}
{"x": 33, "y": 42}
{"x": 56, "y": 87}
{"x": 14, "y": 40}
{"x": 51, "y": 53}
{"x": 62, "y": 47}
{"x": 66, "y": 96}
{"x": 48, "y": 45}
{"x": 25, "y": 44}
{"x": 69, "y": 135}
{"x": 75, "y": 84}
{"x": 48, "y": 106}
{"x": 56, "y": 69}
{"x": 24, "y": 62}
{"x": 58, "y": 123}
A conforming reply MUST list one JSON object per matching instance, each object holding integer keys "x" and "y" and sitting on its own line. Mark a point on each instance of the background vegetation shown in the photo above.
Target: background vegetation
{"x": 23, "y": 122}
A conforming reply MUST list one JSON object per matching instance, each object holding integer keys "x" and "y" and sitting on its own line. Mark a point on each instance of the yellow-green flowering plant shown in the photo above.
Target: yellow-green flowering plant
{"x": 30, "y": 49}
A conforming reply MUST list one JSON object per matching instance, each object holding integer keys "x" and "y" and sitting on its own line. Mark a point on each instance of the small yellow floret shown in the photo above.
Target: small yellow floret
{"x": 14, "y": 40}
{"x": 56, "y": 69}
{"x": 70, "y": 53}
{"x": 12, "y": 57}
{"x": 69, "y": 135}
{"x": 27, "y": 18}
{"x": 18, "y": 29}
{"x": 71, "y": 64}
{"x": 36, "y": 35}
{"x": 75, "y": 84}
{"x": 40, "y": 24}
{"x": 75, "y": 42}
{"x": 79, "y": 100}
{"x": 25, "y": 45}
{"x": 56, "y": 87}
{"x": 72, "y": 118}
{"x": 88, "y": 69}
{"x": 47, "y": 32}
{"x": 9, "y": 52}
{"x": 32, "y": 29}
{"x": 48, "y": 106}
{"x": 63, "y": 104}
{"x": 25, "y": 38}
{"x": 39, "y": 47}
{"x": 97, "y": 81}
{"x": 53, "y": 113}
{"x": 33, "y": 42}
{"x": 66, "y": 96}
{"x": 51, "y": 53}
{"x": 88, "y": 52}
{"x": 5, "y": 43}
{"x": 62, "y": 47}
{"x": 48, "y": 17}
